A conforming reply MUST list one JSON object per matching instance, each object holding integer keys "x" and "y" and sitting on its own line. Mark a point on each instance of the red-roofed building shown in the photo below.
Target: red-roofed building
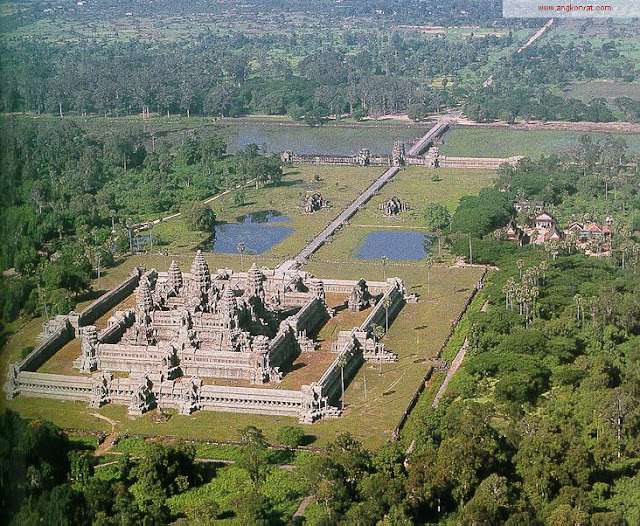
{"x": 544, "y": 220}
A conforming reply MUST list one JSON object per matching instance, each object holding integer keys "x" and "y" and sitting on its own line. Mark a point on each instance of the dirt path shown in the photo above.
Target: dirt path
{"x": 106, "y": 446}
{"x": 208, "y": 200}
{"x": 303, "y": 505}
{"x": 455, "y": 364}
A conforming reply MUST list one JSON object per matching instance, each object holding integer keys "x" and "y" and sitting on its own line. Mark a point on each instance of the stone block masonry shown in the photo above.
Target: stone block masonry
{"x": 187, "y": 327}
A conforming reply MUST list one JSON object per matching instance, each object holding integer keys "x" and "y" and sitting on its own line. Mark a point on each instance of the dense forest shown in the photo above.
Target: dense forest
{"x": 235, "y": 75}
{"x": 312, "y": 76}
{"x": 69, "y": 200}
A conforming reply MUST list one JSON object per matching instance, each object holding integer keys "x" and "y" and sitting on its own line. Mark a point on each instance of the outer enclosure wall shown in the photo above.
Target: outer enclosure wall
{"x": 109, "y": 300}
{"x": 331, "y": 381}
{"x": 47, "y": 348}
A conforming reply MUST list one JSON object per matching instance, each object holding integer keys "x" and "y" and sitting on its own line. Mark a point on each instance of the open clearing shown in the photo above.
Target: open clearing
{"x": 586, "y": 91}
{"x": 416, "y": 186}
{"x": 501, "y": 142}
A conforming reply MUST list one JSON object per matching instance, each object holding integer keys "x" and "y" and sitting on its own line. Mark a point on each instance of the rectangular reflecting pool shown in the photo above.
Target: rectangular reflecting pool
{"x": 256, "y": 237}
{"x": 396, "y": 245}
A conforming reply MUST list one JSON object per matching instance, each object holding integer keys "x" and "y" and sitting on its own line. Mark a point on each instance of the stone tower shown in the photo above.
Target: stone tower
{"x": 229, "y": 308}
{"x": 144, "y": 300}
{"x": 254, "y": 282}
{"x": 174, "y": 281}
{"x": 397, "y": 155}
{"x": 316, "y": 287}
{"x": 88, "y": 359}
{"x": 200, "y": 272}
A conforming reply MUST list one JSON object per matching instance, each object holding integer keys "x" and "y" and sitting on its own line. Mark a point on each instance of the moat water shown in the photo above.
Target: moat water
{"x": 336, "y": 140}
{"x": 399, "y": 245}
{"x": 253, "y": 231}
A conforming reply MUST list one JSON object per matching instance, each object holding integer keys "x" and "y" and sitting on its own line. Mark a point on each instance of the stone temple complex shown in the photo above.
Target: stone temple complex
{"x": 199, "y": 340}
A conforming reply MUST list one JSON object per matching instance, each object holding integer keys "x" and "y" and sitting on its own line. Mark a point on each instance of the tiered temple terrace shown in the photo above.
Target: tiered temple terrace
{"x": 198, "y": 341}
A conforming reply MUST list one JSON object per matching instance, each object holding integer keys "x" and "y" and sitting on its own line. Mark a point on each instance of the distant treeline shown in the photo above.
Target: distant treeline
{"x": 231, "y": 76}
{"x": 366, "y": 73}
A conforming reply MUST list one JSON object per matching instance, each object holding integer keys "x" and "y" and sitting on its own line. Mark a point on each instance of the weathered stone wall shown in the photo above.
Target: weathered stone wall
{"x": 379, "y": 313}
{"x": 61, "y": 387}
{"x": 47, "y": 348}
{"x": 336, "y": 160}
{"x": 65, "y": 334}
{"x": 170, "y": 394}
{"x": 331, "y": 381}
{"x": 490, "y": 163}
{"x": 283, "y": 349}
{"x": 218, "y": 364}
{"x": 350, "y": 355}
{"x": 345, "y": 286}
{"x": 251, "y": 400}
{"x": 109, "y": 299}
{"x": 118, "y": 324}
{"x": 128, "y": 358}
{"x": 310, "y": 317}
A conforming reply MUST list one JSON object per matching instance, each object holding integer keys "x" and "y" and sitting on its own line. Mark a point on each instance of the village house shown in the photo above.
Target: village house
{"x": 545, "y": 221}
{"x": 545, "y": 229}
{"x": 525, "y": 205}
{"x": 592, "y": 237}
{"x": 515, "y": 234}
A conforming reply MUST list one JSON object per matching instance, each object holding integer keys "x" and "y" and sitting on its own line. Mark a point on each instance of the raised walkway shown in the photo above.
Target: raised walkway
{"x": 425, "y": 141}
{"x": 345, "y": 215}
{"x": 440, "y": 127}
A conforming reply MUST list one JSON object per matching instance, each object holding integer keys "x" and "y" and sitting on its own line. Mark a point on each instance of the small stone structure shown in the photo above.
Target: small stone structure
{"x": 244, "y": 327}
{"x": 360, "y": 298}
{"x": 393, "y": 206}
{"x": 314, "y": 202}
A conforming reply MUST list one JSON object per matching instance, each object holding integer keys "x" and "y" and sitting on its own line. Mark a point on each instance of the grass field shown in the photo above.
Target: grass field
{"x": 415, "y": 186}
{"x": 500, "y": 142}
{"x": 586, "y": 91}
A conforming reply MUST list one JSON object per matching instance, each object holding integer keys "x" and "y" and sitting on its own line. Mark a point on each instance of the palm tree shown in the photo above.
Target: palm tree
{"x": 543, "y": 268}
{"x": 520, "y": 264}
{"x": 430, "y": 262}
{"x": 378, "y": 332}
{"x": 342, "y": 362}
{"x": 509, "y": 291}
{"x": 241, "y": 249}
{"x": 386, "y": 303}
{"x": 383, "y": 261}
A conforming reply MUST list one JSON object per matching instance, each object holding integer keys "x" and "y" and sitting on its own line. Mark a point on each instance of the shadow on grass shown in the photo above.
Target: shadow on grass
{"x": 287, "y": 184}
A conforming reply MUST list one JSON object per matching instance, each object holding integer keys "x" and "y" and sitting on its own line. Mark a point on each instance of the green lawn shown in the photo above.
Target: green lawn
{"x": 415, "y": 186}
{"x": 502, "y": 142}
